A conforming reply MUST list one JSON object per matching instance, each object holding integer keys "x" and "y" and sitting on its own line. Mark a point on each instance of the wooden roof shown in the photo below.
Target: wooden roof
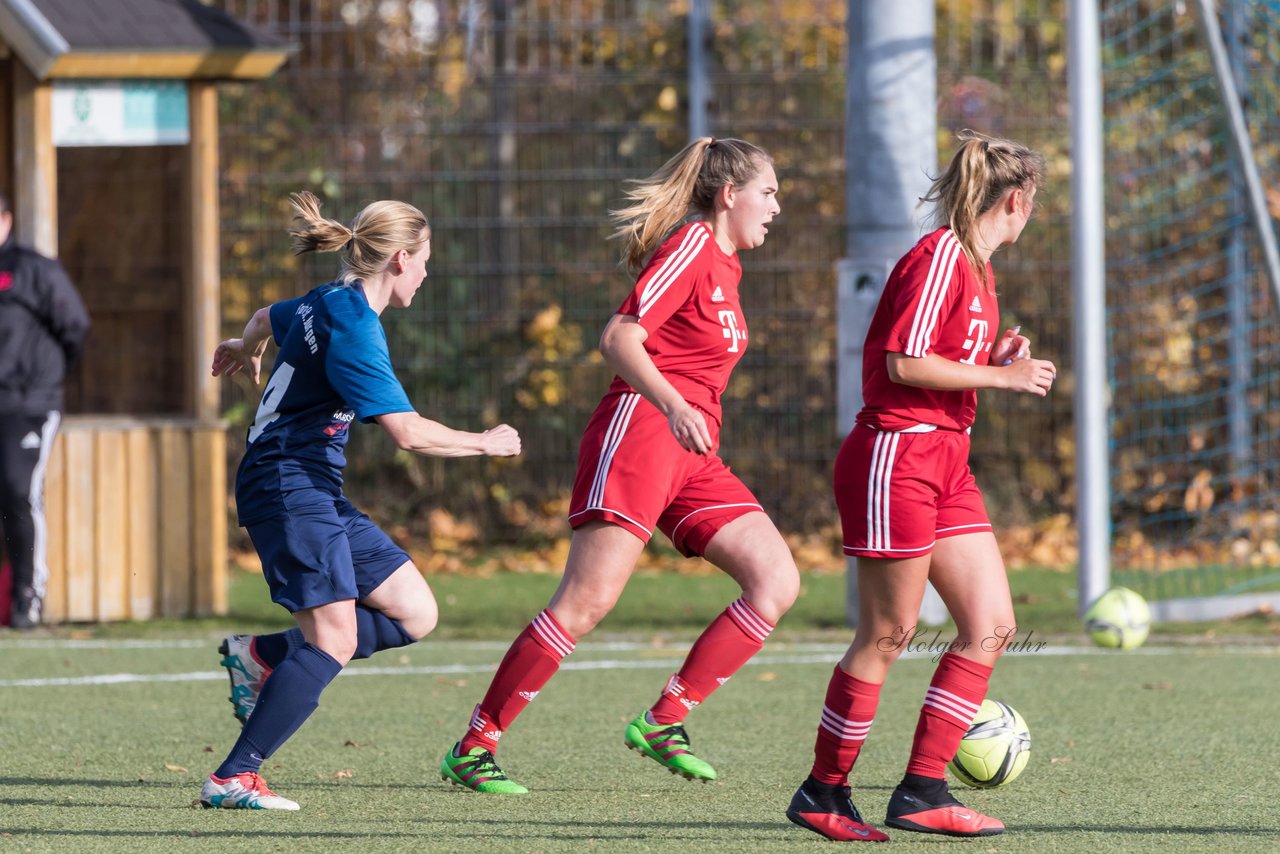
{"x": 181, "y": 39}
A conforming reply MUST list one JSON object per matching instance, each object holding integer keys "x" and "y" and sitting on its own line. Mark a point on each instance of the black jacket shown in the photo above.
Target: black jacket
{"x": 43, "y": 323}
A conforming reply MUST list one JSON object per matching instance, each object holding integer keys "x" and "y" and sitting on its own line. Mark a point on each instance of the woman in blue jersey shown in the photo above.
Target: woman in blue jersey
{"x": 351, "y": 589}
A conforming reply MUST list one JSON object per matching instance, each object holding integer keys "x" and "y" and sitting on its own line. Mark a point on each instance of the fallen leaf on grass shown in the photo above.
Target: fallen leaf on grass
{"x": 767, "y": 676}
{"x": 178, "y": 768}
{"x": 344, "y": 774}
{"x": 456, "y": 683}
{"x": 1053, "y": 760}
{"x": 1157, "y": 686}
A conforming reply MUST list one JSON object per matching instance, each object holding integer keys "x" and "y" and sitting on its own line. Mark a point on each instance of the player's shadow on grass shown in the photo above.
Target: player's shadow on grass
{"x": 561, "y": 790}
{"x": 645, "y": 826}
{"x": 1194, "y": 830}
{"x": 784, "y": 825}
{"x": 96, "y": 806}
{"x": 28, "y": 782}
{"x": 237, "y": 833}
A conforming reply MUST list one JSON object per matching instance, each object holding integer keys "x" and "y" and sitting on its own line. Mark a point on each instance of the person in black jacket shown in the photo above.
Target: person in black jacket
{"x": 43, "y": 323}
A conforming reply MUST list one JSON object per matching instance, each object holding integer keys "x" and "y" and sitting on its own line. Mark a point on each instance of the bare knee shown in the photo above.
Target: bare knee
{"x": 772, "y": 594}
{"x": 582, "y": 619}
{"x": 331, "y": 628}
{"x": 340, "y": 646}
{"x": 407, "y": 598}
{"x": 421, "y": 618}
{"x": 579, "y": 614}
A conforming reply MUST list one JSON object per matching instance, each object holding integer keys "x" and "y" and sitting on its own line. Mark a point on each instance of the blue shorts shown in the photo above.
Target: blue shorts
{"x": 322, "y": 550}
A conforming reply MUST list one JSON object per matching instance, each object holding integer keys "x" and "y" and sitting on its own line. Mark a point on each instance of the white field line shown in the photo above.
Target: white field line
{"x": 803, "y": 654}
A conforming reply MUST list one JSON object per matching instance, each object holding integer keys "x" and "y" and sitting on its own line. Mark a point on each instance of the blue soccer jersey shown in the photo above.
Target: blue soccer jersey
{"x": 332, "y": 368}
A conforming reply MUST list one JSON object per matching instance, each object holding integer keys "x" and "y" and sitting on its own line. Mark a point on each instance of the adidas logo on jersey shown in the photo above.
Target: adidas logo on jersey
{"x": 976, "y": 306}
{"x": 528, "y": 695}
{"x": 717, "y": 295}
{"x": 493, "y": 735}
{"x": 720, "y": 680}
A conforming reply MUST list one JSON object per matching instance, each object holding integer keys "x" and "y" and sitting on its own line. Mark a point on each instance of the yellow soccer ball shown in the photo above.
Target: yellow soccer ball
{"x": 996, "y": 748}
{"x": 1118, "y": 619}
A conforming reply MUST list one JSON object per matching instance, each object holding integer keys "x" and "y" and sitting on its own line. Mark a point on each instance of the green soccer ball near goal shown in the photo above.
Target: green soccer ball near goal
{"x": 1118, "y": 619}
{"x": 995, "y": 749}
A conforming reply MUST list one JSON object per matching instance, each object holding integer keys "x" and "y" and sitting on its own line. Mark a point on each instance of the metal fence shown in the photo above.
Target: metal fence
{"x": 513, "y": 125}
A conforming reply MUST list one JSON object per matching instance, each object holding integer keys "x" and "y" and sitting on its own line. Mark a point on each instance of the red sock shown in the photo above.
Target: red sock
{"x": 534, "y": 657}
{"x": 950, "y": 705}
{"x": 846, "y": 717}
{"x": 726, "y": 645}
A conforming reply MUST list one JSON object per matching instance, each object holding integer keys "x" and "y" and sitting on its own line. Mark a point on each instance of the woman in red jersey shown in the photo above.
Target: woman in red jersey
{"x": 909, "y": 506}
{"x": 648, "y": 459}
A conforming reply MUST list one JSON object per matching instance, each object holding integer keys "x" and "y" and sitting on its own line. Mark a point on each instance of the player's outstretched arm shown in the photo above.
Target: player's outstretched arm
{"x": 411, "y": 432}
{"x": 245, "y": 352}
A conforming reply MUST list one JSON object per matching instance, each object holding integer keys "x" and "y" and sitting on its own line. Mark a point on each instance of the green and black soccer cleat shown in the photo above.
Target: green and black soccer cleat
{"x": 668, "y": 746}
{"x": 478, "y": 772}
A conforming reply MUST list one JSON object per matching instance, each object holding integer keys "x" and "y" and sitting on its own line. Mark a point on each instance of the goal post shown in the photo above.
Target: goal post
{"x": 1193, "y": 284}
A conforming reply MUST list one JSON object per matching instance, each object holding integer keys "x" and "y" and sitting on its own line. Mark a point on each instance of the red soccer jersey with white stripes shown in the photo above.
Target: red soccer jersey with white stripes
{"x": 687, "y": 300}
{"x": 932, "y": 303}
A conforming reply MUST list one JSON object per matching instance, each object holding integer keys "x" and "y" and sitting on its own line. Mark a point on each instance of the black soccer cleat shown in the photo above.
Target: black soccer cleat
{"x": 828, "y": 811}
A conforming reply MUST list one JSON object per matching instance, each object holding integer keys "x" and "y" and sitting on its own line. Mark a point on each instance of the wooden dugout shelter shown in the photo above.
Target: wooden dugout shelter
{"x": 109, "y": 148}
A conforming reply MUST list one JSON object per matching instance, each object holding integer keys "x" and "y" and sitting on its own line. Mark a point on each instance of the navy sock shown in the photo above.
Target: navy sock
{"x": 375, "y": 631}
{"x": 273, "y": 649}
{"x": 289, "y": 696}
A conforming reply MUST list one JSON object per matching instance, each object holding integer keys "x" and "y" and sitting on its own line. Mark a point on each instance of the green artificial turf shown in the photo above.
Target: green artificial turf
{"x": 1167, "y": 748}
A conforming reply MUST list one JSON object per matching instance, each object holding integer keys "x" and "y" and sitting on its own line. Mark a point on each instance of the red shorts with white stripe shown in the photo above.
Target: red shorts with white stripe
{"x": 899, "y": 493}
{"x": 632, "y": 472}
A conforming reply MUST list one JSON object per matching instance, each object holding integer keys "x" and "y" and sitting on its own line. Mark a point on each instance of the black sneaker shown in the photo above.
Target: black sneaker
{"x": 25, "y": 612}
{"x": 828, "y": 811}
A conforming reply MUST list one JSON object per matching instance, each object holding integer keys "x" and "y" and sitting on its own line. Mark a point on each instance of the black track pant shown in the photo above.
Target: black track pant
{"x": 25, "y": 444}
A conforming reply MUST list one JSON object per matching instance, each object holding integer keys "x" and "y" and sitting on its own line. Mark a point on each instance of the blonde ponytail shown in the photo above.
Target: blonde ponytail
{"x": 377, "y": 233}
{"x": 982, "y": 170}
{"x": 690, "y": 180}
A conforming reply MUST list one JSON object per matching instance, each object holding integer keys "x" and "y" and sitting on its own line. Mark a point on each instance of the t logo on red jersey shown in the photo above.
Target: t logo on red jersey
{"x": 729, "y": 321}
{"x": 976, "y": 341}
